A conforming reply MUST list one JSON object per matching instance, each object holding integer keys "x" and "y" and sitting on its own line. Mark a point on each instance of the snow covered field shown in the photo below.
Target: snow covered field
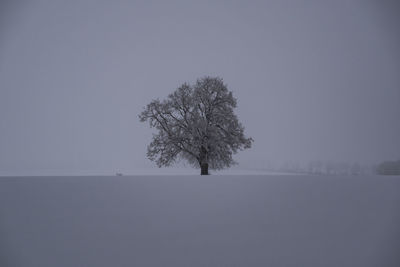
{"x": 200, "y": 221}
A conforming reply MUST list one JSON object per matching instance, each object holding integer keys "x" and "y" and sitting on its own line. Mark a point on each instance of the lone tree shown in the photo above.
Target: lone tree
{"x": 196, "y": 123}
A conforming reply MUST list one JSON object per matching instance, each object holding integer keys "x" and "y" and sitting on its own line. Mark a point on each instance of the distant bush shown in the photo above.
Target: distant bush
{"x": 389, "y": 168}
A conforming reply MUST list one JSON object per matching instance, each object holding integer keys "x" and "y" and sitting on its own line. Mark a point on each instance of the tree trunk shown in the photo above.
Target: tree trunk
{"x": 204, "y": 169}
{"x": 203, "y": 161}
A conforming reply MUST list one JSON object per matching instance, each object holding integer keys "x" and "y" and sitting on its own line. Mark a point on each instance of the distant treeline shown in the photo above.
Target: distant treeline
{"x": 326, "y": 168}
{"x": 340, "y": 168}
{"x": 337, "y": 168}
{"x": 389, "y": 168}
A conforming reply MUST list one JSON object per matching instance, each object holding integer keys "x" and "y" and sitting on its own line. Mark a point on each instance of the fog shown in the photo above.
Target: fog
{"x": 315, "y": 80}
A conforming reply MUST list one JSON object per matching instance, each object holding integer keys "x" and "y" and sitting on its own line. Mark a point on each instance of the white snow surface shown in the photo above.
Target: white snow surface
{"x": 183, "y": 220}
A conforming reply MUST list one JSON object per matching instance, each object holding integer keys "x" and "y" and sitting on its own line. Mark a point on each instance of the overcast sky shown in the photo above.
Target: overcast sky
{"x": 315, "y": 80}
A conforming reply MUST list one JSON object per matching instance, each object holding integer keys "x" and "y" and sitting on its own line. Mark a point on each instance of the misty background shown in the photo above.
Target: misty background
{"x": 315, "y": 80}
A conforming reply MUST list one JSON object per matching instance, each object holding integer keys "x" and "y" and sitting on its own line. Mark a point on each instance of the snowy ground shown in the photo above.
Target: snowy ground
{"x": 149, "y": 170}
{"x": 239, "y": 220}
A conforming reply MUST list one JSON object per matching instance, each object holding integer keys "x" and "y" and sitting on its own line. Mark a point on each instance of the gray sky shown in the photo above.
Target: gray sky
{"x": 314, "y": 79}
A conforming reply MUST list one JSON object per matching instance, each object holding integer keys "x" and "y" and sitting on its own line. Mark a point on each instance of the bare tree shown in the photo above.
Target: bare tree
{"x": 196, "y": 123}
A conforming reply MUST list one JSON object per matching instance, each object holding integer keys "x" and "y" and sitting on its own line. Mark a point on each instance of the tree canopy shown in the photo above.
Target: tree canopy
{"x": 196, "y": 123}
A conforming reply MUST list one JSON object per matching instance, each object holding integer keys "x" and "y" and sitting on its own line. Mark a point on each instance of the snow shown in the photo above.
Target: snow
{"x": 192, "y": 220}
